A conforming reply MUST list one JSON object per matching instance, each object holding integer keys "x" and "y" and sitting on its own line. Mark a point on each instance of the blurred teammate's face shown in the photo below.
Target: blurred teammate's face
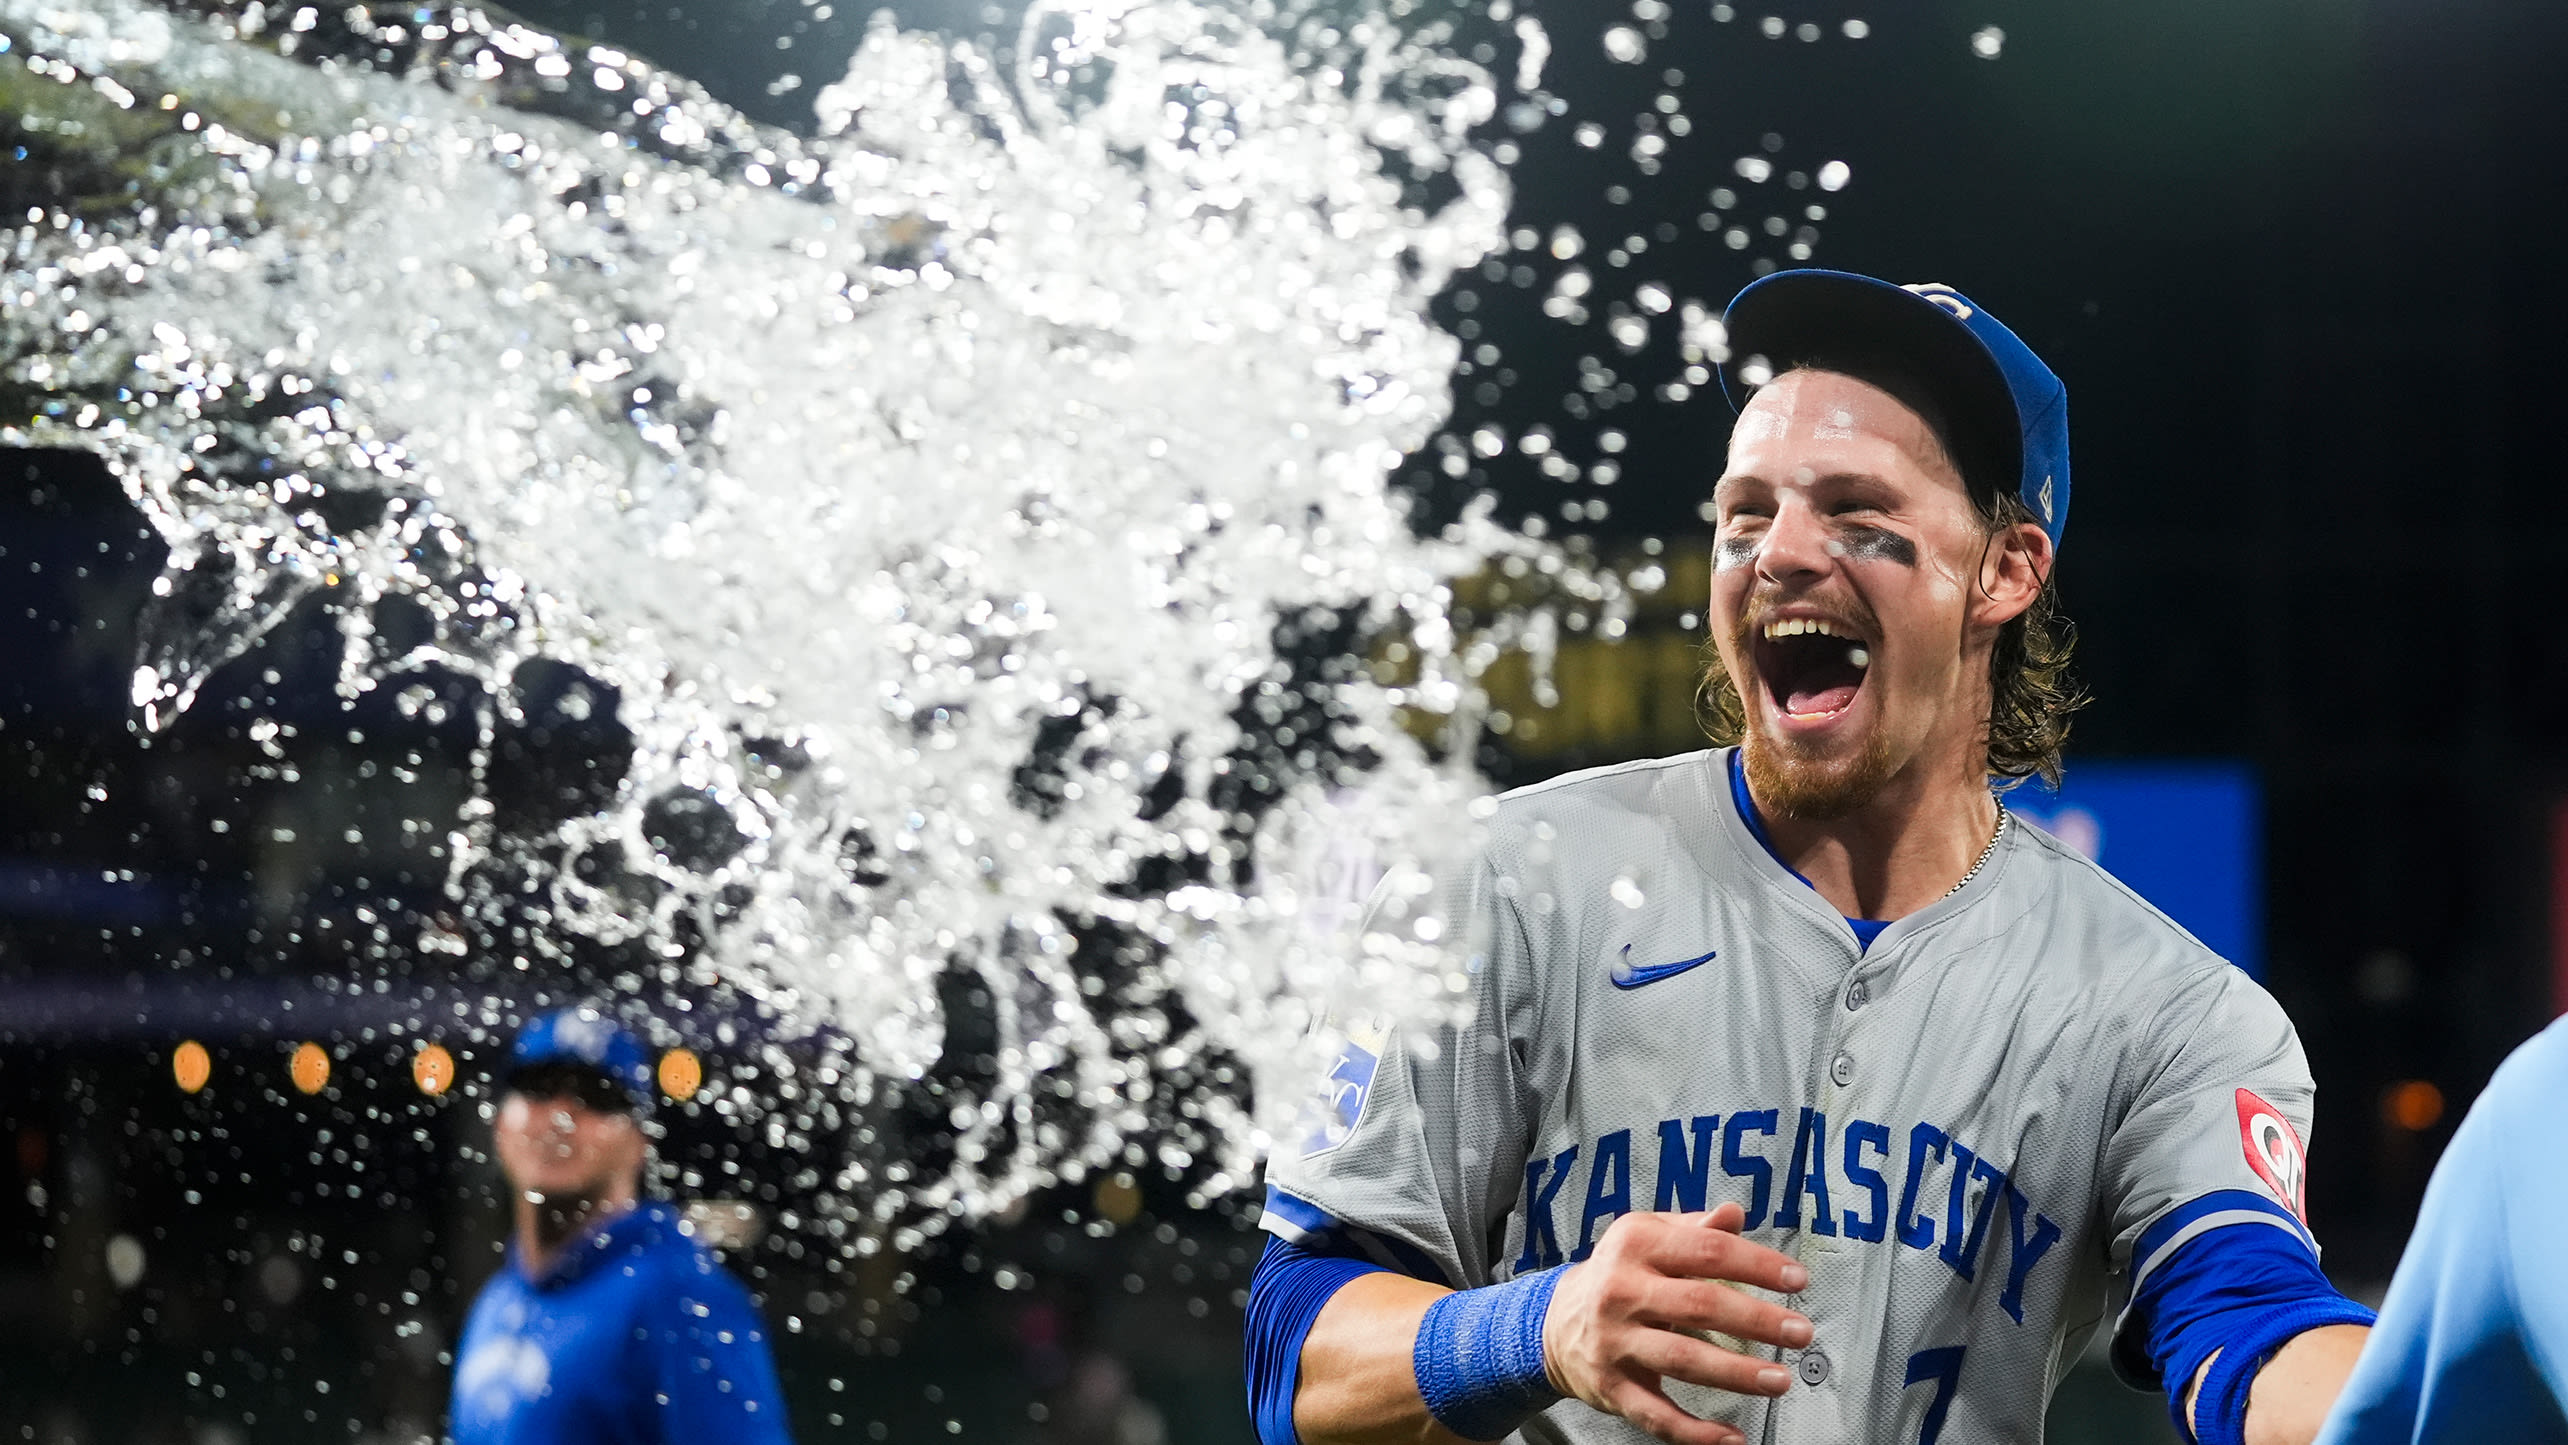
{"x": 564, "y": 1140}
{"x": 1856, "y": 595}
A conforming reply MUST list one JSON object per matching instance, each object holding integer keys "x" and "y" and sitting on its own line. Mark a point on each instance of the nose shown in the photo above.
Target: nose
{"x": 1795, "y": 547}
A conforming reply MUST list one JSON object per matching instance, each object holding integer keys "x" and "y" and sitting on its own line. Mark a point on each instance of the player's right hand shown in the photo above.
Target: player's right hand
{"x": 1616, "y": 1328}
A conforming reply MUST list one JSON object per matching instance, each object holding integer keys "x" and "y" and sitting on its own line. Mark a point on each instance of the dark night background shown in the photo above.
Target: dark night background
{"x": 2295, "y": 260}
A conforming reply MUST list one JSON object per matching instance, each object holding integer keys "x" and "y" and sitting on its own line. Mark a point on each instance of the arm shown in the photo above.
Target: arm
{"x": 1359, "y": 1383}
{"x": 2474, "y": 1334}
{"x": 2229, "y": 1311}
{"x": 2294, "y": 1390}
{"x": 1609, "y": 1333}
{"x": 2251, "y": 1340}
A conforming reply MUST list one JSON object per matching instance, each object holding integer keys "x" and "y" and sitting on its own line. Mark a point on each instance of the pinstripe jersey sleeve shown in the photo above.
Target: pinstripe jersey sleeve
{"x": 2212, "y": 1138}
{"x": 1417, "y": 1138}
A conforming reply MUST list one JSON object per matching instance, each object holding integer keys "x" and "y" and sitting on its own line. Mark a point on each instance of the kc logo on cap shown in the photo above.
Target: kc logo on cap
{"x": 1944, "y": 296}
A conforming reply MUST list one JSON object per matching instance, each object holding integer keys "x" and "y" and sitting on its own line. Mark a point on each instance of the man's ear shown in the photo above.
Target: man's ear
{"x": 2013, "y": 568}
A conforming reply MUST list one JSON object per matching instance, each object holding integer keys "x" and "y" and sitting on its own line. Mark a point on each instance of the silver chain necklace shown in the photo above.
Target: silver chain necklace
{"x": 1982, "y": 861}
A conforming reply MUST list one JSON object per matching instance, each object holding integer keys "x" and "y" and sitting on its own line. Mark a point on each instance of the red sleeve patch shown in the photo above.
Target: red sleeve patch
{"x": 2274, "y": 1152}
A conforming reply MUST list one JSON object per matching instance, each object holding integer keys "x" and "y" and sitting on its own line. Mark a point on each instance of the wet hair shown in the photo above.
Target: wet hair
{"x": 2032, "y": 692}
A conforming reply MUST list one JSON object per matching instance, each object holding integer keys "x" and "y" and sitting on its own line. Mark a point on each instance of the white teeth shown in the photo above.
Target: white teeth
{"x": 1797, "y": 626}
{"x": 1858, "y": 657}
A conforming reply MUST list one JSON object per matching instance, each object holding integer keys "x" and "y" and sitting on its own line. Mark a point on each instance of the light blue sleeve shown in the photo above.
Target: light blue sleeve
{"x": 2472, "y": 1343}
{"x": 716, "y": 1377}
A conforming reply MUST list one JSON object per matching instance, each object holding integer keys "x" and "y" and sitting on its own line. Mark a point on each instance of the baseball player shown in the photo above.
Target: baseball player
{"x": 2473, "y": 1339}
{"x": 609, "y": 1324}
{"x": 1807, "y": 1095}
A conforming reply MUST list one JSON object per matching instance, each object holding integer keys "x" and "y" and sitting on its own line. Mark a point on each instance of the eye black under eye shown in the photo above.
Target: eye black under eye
{"x": 1878, "y": 543}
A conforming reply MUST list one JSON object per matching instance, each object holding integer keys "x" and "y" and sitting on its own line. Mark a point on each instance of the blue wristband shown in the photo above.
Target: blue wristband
{"x": 1479, "y": 1356}
{"x": 2220, "y": 1406}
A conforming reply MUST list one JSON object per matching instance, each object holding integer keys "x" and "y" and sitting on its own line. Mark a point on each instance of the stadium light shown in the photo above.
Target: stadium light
{"x": 191, "y": 1066}
{"x": 1118, "y": 1198}
{"x": 309, "y": 1068}
{"x": 2414, "y": 1105}
{"x": 681, "y": 1074}
{"x": 433, "y": 1069}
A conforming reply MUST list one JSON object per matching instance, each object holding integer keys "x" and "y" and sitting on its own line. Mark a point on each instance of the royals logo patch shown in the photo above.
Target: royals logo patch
{"x": 2274, "y": 1152}
{"x": 1331, "y": 1117}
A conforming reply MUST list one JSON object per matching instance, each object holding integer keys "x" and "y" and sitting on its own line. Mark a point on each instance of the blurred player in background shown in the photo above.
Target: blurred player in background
{"x": 608, "y": 1324}
{"x": 1813, "y": 1015}
{"x": 2473, "y": 1339}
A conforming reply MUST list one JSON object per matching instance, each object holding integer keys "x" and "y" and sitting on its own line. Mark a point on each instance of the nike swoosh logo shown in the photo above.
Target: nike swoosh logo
{"x": 1625, "y": 975}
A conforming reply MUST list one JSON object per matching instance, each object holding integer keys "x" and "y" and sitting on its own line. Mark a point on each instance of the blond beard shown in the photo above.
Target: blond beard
{"x": 1813, "y": 791}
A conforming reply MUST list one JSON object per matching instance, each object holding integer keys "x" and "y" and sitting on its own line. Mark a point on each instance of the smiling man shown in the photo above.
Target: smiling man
{"x": 1807, "y": 1095}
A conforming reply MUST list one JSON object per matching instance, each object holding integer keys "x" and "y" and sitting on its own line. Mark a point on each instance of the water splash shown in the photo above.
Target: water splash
{"x": 972, "y": 508}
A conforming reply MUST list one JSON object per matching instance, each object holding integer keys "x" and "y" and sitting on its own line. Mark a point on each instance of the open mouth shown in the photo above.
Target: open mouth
{"x": 1811, "y": 667}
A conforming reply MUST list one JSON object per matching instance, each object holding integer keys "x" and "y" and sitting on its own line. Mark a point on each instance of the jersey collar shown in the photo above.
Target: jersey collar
{"x": 1743, "y": 814}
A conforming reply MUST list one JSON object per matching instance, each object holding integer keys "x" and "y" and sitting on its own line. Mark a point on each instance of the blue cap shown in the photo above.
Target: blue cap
{"x": 2006, "y": 415}
{"x": 590, "y": 1039}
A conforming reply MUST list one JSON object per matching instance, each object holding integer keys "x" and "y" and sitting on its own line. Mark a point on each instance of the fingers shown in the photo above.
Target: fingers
{"x": 1685, "y": 1358}
{"x": 1706, "y": 1305}
{"x": 1657, "y": 1414}
{"x": 1717, "y": 1254}
{"x": 1621, "y": 1322}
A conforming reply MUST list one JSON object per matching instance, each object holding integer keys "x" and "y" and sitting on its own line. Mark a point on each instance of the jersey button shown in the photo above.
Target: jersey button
{"x": 1857, "y": 995}
{"x": 1842, "y": 1069}
{"x": 1814, "y": 1368}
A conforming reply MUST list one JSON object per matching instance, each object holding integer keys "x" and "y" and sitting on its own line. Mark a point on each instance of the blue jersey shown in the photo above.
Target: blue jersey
{"x": 2473, "y": 1340}
{"x": 635, "y": 1337}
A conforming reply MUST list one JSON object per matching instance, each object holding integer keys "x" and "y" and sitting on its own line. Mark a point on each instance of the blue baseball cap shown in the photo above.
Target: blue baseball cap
{"x": 2006, "y": 414}
{"x": 589, "y": 1039}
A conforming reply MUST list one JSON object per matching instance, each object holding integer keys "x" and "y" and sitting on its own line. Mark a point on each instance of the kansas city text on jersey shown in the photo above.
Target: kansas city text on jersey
{"x": 1920, "y": 1188}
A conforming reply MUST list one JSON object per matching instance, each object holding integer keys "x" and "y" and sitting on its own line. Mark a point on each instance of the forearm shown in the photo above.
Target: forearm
{"x": 1359, "y": 1381}
{"x": 2294, "y": 1391}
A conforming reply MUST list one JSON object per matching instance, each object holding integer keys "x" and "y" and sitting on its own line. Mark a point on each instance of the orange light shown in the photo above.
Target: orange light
{"x": 2414, "y": 1105}
{"x": 191, "y": 1066}
{"x": 433, "y": 1069}
{"x": 681, "y": 1074}
{"x": 309, "y": 1068}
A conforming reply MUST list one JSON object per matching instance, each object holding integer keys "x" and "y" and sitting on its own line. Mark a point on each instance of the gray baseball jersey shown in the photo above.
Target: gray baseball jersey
{"x": 1979, "y": 1134}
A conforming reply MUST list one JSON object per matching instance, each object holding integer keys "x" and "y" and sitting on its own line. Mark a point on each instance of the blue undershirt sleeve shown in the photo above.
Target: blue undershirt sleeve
{"x": 2243, "y": 1290}
{"x": 714, "y": 1372}
{"x": 1293, "y": 1281}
